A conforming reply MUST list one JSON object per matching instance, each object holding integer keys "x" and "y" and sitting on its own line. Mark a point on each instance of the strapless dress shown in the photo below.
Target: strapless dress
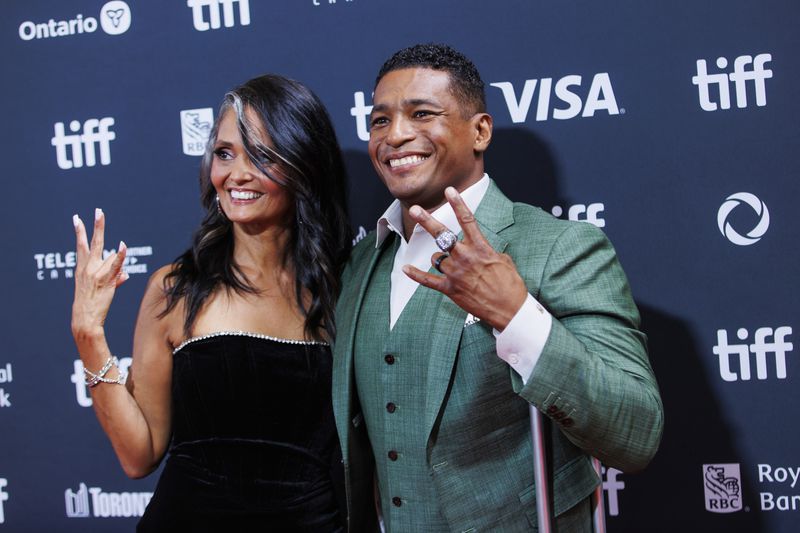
{"x": 254, "y": 444}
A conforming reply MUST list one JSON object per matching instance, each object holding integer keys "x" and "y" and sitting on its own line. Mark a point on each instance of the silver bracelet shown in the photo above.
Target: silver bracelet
{"x": 93, "y": 379}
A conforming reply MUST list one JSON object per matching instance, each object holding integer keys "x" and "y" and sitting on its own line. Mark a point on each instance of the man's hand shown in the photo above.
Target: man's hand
{"x": 478, "y": 279}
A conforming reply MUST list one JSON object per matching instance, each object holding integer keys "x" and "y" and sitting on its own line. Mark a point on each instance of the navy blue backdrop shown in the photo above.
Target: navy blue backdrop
{"x": 673, "y": 127}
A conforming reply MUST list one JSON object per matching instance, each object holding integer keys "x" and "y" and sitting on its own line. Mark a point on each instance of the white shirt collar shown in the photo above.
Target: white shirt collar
{"x": 392, "y": 218}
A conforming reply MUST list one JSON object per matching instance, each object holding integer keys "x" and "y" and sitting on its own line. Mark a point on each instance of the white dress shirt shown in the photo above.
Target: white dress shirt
{"x": 521, "y": 343}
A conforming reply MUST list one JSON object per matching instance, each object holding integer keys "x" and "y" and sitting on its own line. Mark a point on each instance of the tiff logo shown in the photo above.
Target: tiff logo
{"x": 740, "y": 76}
{"x": 213, "y": 23}
{"x": 575, "y": 212}
{"x": 612, "y": 486}
{"x": 3, "y": 498}
{"x": 77, "y": 150}
{"x": 760, "y": 348}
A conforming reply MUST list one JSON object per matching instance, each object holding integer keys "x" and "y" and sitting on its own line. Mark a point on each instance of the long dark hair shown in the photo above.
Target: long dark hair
{"x": 305, "y": 148}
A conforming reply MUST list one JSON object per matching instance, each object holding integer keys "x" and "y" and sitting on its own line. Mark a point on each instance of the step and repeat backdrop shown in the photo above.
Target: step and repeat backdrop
{"x": 672, "y": 127}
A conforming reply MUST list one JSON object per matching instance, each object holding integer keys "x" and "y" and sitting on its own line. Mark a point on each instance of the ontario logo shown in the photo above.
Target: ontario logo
{"x": 115, "y": 19}
{"x": 723, "y": 487}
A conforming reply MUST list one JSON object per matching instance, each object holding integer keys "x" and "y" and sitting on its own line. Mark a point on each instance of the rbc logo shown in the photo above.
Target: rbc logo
{"x": 195, "y": 128}
{"x": 77, "y": 150}
{"x": 723, "y": 484}
{"x": 760, "y": 348}
{"x": 731, "y": 203}
{"x": 228, "y": 19}
{"x": 592, "y": 212}
{"x": 740, "y": 76}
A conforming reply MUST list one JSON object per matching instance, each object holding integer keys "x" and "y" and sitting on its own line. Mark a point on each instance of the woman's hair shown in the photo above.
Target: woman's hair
{"x": 305, "y": 150}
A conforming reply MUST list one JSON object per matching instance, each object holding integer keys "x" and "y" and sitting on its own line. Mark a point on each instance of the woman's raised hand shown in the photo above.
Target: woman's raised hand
{"x": 96, "y": 279}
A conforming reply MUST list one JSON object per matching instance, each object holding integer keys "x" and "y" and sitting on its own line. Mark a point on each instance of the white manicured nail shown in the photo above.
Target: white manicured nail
{"x": 98, "y": 213}
{"x": 122, "y": 246}
{"x": 76, "y": 220}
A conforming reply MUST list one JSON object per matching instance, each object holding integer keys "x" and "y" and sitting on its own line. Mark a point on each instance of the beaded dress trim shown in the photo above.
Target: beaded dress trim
{"x": 245, "y": 334}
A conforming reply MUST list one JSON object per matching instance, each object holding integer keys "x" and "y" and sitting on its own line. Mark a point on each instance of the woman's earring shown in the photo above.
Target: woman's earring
{"x": 219, "y": 209}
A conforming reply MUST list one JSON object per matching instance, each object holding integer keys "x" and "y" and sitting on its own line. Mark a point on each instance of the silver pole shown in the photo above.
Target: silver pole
{"x": 598, "y": 507}
{"x": 540, "y": 472}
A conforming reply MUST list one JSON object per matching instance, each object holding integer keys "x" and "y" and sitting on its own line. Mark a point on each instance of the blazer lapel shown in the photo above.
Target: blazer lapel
{"x": 494, "y": 214}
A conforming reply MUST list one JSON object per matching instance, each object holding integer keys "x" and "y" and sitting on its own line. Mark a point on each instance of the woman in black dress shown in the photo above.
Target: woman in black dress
{"x": 231, "y": 359}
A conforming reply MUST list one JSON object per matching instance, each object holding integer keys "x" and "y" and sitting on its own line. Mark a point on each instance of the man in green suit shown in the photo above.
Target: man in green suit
{"x": 434, "y": 371}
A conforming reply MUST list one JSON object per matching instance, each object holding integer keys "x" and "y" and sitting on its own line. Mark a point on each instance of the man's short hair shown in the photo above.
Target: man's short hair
{"x": 465, "y": 80}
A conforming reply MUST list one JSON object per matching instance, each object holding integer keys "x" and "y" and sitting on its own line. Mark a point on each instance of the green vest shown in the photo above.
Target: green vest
{"x": 390, "y": 371}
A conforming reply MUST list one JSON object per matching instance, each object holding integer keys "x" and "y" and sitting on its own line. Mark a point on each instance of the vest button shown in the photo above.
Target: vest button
{"x": 392, "y": 455}
{"x": 389, "y": 359}
{"x": 391, "y": 407}
{"x": 397, "y": 501}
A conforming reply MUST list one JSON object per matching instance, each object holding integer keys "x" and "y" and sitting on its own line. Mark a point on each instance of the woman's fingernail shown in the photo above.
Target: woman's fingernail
{"x": 98, "y": 213}
{"x": 124, "y": 276}
{"x": 122, "y": 246}
{"x": 76, "y": 220}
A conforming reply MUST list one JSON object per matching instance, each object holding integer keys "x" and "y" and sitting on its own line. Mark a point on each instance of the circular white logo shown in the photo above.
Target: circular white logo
{"x": 115, "y": 17}
{"x": 755, "y": 234}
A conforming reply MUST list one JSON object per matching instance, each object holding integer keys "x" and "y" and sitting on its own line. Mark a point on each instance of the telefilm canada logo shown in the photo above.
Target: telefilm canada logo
{"x": 195, "y": 129}
{"x": 6, "y": 377}
{"x": 565, "y": 99}
{"x": 94, "y": 502}
{"x": 723, "y": 487}
{"x": 220, "y": 13}
{"x": 731, "y": 204}
{"x": 61, "y": 265}
{"x": 746, "y": 69}
{"x": 114, "y": 19}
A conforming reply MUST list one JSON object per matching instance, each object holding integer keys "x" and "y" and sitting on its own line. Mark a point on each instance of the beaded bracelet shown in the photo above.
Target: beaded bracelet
{"x": 93, "y": 379}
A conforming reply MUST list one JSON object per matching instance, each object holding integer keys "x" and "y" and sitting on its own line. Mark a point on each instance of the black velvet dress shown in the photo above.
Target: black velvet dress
{"x": 254, "y": 444}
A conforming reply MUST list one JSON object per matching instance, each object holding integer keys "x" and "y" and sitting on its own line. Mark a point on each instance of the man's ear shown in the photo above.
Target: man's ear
{"x": 482, "y": 122}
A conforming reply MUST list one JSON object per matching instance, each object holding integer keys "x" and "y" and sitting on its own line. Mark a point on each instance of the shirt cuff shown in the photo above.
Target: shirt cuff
{"x": 521, "y": 343}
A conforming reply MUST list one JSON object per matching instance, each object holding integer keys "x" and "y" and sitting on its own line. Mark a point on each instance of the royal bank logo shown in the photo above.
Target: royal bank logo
{"x": 723, "y": 487}
{"x": 745, "y": 69}
{"x": 590, "y": 213}
{"x": 78, "y": 378}
{"x": 768, "y": 350}
{"x": 94, "y": 502}
{"x": 725, "y": 212}
{"x": 3, "y": 498}
{"x": 81, "y": 147}
{"x": 6, "y": 376}
{"x": 195, "y": 129}
{"x": 783, "y": 479}
{"x": 115, "y": 19}
{"x": 218, "y": 13}
{"x": 61, "y": 265}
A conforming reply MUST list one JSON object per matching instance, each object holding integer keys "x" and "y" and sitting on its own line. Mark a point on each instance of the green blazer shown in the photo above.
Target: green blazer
{"x": 593, "y": 380}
